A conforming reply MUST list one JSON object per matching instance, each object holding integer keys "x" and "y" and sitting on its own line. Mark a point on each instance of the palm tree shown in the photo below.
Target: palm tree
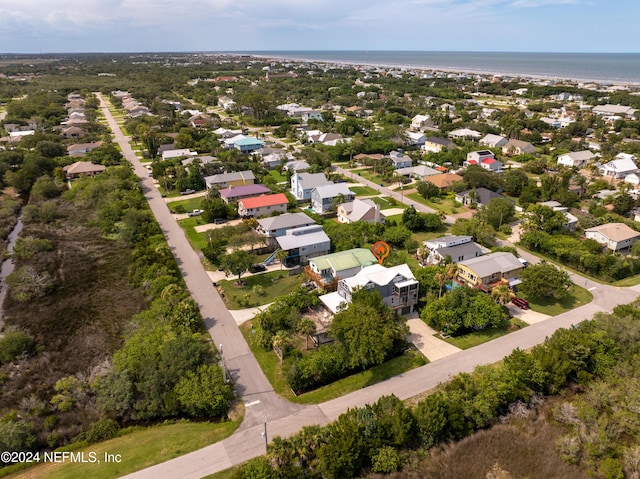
{"x": 306, "y": 327}
{"x": 441, "y": 279}
{"x": 280, "y": 256}
{"x": 451, "y": 270}
{"x": 280, "y": 343}
{"x": 502, "y": 294}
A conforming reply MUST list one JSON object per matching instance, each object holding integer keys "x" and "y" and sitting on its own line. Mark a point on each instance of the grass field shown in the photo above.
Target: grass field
{"x": 578, "y": 296}
{"x": 197, "y": 240}
{"x": 139, "y": 449}
{"x": 186, "y": 205}
{"x": 363, "y": 191}
{"x": 478, "y": 337}
{"x": 447, "y": 206}
{"x": 279, "y": 177}
{"x": 270, "y": 365}
{"x": 386, "y": 202}
{"x": 274, "y": 284}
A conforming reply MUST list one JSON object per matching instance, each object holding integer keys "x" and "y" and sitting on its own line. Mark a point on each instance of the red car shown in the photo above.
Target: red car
{"x": 520, "y": 303}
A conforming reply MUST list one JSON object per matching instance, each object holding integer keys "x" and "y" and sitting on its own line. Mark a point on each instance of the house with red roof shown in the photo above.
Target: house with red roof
{"x": 264, "y": 205}
{"x": 485, "y": 159}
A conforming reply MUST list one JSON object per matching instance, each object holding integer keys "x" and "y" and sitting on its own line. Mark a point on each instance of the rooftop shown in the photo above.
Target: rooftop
{"x": 615, "y": 231}
{"x": 264, "y": 200}
{"x": 344, "y": 260}
{"x": 492, "y": 263}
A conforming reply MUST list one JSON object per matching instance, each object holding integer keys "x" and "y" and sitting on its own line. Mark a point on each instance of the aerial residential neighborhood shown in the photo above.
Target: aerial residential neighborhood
{"x": 267, "y": 246}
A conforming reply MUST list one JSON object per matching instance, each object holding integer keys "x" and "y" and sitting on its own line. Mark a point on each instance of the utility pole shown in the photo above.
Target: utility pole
{"x": 224, "y": 367}
{"x": 264, "y": 435}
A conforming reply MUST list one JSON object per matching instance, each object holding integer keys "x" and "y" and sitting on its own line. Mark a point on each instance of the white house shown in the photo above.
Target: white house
{"x": 493, "y": 141}
{"x": 302, "y": 184}
{"x": 415, "y": 138}
{"x": 478, "y": 156}
{"x": 323, "y": 197}
{"x": 618, "y": 168}
{"x": 397, "y": 286}
{"x": 575, "y": 159}
{"x": 303, "y": 243}
{"x": 465, "y": 133}
{"x": 399, "y": 159}
{"x": 615, "y": 236}
{"x": 360, "y": 210}
{"x": 419, "y": 121}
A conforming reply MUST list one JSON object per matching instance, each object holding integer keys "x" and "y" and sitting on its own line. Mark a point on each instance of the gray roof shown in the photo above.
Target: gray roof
{"x": 420, "y": 170}
{"x": 465, "y": 249}
{"x": 287, "y": 220}
{"x": 492, "y": 263}
{"x": 484, "y": 195}
{"x": 233, "y": 176}
{"x": 580, "y": 155}
{"x": 297, "y": 165}
{"x": 332, "y": 190}
{"x": 303, "y": 238}
{"x": 312, "y": 180}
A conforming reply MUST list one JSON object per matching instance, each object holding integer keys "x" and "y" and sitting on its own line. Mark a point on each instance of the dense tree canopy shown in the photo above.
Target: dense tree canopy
{"x": 462, "y": 310}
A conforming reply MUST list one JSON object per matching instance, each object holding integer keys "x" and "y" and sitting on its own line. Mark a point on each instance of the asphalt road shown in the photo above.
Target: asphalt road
{"x": 282, "y": 418}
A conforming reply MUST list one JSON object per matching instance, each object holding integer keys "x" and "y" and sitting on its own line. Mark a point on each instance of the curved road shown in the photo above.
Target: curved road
{"x": 284, "y": 418}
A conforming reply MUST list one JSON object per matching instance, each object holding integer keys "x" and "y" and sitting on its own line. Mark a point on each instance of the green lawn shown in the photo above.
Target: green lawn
{"x": 274, "y": 285}
{"x": 577, "y": 297}
{"x": 427, "y": 235}
{"x": 279, "y": 177}
{"x": 363, "y": 191}
{"x": 478, "y": 337}
{"x": 410, "y": 360}
{"x": 139, "y": 449}
{"x": 387, "y": 202}
{"x": 630, "y": 281}
{"x": 197, "y": 240}
{"x": 375, "y": 178}
{"x": 270, "y": 365}
{"x": 186, "y": 205}
{"x": 447, "y": 206}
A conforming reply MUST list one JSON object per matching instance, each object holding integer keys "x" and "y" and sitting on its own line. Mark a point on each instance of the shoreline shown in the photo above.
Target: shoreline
{"x": 469, "y": 71}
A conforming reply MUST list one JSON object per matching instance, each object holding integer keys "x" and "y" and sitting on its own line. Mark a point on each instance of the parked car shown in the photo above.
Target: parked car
{"x": 257, "y": 268}
{"x": 195, "y": 212}
{"x": 187, "y": 191}
{"x": 520, "y": 303}
{"x": 219, "y": 221}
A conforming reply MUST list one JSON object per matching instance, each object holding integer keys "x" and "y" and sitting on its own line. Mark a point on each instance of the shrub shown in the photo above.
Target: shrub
{"x": 16, "y": 344}
{"x": 101, "y": 430}
{"x": 386, "y": 460}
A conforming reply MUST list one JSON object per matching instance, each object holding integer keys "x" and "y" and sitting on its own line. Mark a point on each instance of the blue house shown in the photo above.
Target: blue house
{"x": 248, "y": 144}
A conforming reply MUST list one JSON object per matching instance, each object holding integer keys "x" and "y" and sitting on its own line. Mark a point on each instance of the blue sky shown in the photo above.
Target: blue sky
{"x": 33, "y": 26}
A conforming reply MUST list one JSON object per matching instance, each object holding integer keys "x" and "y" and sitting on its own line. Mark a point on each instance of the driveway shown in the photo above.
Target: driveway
{"x": 423, "y": 338}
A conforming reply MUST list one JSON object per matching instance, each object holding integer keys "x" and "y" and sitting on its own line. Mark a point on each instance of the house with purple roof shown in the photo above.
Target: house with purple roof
{"x": 236, "y": 193}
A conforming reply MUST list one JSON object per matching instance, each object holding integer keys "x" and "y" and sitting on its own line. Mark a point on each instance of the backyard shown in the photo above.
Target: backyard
{"x": 258, "y": 289}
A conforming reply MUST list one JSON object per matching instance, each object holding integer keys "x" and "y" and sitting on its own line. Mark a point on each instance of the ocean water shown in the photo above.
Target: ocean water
{"x": 600, "y": 67}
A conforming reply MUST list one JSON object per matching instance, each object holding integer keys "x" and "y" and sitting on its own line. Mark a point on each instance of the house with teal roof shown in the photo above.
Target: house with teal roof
{"x": 248, "y": 144}
{"x": 330, "y": 268}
